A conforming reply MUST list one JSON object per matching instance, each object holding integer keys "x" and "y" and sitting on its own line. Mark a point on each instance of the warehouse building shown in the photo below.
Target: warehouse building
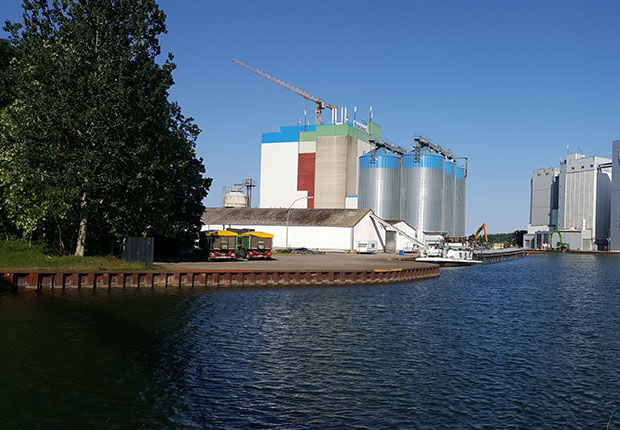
{"x": 573, "y": 199}
{"x": 319, "y": 229}
{"x": 349, "y": 166}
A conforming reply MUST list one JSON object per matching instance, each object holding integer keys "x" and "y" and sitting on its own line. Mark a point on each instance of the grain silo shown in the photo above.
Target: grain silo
{"x": 459, "y": 206}
{"x": 449, "y": 197}
{"x": 379, "y": 183}
{"x": 421, "y": 191}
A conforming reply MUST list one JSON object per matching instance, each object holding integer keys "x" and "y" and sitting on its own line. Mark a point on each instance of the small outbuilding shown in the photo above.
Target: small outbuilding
{"x": 320, "y": 229}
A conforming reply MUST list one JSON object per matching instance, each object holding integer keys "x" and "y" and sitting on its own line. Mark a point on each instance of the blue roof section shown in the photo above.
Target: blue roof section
{"x": 460, "y": 172}
{"x": 287, "y": 134}
{"x": 432, "y": 161}
{"x": 449, "y": 167}
{"x": 384, "y": 161}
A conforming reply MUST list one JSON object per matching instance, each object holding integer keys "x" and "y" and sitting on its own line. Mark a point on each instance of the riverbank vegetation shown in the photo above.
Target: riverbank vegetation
{"x": 20, "y": 254}
{"x": 508, "y": 239}
{"x": 91, "y": 149}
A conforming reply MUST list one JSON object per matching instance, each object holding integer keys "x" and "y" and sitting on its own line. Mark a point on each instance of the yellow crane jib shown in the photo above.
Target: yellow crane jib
{"x": 320, "y": 104}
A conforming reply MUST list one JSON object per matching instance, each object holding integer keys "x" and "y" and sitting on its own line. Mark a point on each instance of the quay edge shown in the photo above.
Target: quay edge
{"x": 43, "y": 279}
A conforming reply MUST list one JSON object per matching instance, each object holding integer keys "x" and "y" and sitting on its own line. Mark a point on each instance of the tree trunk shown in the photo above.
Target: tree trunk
{"x": 81, "y": 240}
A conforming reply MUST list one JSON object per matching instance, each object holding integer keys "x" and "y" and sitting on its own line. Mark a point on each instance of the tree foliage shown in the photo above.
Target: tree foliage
{"x": 509, "y": 239}
{"x": 91, "y": 148}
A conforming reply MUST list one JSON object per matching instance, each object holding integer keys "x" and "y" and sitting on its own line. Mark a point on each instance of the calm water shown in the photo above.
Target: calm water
{"x": 530, "y": 343}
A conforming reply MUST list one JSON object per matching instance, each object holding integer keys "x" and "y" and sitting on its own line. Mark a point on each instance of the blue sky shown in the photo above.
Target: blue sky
{"x": 507, "y": 84}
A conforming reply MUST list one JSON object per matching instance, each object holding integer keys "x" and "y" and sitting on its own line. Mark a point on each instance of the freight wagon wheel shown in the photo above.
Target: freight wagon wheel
{"x": 242, "y": 253}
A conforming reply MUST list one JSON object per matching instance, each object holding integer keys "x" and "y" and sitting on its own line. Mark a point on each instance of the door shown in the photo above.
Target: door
{"x": 390, "y": 241}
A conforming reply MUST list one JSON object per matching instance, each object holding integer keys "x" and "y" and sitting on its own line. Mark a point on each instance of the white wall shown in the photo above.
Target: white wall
{"x": 311, "y": 237}
{"x": 615, "y": 197}
{"x": 278, "y": 176}
{"x": 402, "y": 241}
{"x": 350, "y": 202}
{"x": 334, "y": 238}
{"x": 368, "y": 229}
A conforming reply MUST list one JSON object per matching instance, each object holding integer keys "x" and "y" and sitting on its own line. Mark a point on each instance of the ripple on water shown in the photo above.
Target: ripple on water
{"x": 529, "y": 343}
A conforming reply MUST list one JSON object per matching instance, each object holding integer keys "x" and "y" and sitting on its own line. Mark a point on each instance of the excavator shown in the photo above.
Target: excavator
{"x": 561, "y": 245}
{"x": 482, "y": 227}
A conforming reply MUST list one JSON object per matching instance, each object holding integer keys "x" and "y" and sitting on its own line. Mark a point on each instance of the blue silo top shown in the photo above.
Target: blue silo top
{"x": 383, "y": 160}
{"x": 449, "y": 167}
{"x": 460, "y": 172}
{"x": 432, "y": 161}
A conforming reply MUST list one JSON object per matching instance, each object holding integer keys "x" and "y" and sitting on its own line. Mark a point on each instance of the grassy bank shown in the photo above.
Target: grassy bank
{"x": 22, "y": 255}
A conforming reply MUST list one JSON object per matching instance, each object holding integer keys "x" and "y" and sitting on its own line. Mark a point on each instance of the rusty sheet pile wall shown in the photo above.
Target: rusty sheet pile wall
{"x": 179, "y": 279}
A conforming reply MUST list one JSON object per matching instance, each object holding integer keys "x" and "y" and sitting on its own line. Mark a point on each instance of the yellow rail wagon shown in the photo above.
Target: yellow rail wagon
{"x": 254, "y": 244}
{"x": 219, "y": 245}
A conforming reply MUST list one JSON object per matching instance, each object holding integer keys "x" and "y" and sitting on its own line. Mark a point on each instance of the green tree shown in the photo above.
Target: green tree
{"x": 7, "y": 53}
{"x": 92, "y": 149}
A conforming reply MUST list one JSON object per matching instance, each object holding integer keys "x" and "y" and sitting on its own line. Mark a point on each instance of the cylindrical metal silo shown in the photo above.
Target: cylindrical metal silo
{"x": 379, "y": 184}
{"x": 421, "y": 191}
{"x": 449, "y": 197}
{"x": 459, "y": 206}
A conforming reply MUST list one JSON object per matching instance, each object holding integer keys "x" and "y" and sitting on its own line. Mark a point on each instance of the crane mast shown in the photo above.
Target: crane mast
{"x": 320, "y": 104}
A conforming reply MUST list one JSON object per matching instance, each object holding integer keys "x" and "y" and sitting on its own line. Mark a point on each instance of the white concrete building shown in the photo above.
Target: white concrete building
{"x": 615, "y": 198}
{"x": 573, "y": 198}
{"x": 321, "y": 162}
{"x": 544, "y": 198}
{"x": 320, "y": 229}
{"x": 584, "y": 197}
{"x": 279, "y": 169}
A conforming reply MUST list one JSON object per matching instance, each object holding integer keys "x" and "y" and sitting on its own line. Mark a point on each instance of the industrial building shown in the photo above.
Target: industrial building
{"x": 614, "y": 244}
{"x": 573, "y": 199}
{"x": 320, "y": 229}
{"x": 319, "y": 162}
{"x": 348, "y": 166}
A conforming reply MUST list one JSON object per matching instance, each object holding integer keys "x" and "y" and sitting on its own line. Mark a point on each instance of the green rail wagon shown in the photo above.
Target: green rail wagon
{"x": 218, "y": 245}
{"x": 254, "y": 244}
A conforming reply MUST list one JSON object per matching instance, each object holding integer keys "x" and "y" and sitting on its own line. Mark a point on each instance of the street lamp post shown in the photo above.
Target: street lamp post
{"x": 288, "y": 213}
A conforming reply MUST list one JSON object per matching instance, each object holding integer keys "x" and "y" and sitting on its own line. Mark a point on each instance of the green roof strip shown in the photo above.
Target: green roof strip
{"x": 307, "y": 136}
{"x": 341, "y": 130}
{"x": 374, "y": 129}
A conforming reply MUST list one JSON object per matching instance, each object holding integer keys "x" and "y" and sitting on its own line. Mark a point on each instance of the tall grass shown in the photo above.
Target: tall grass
{"x": 20, "y": 254}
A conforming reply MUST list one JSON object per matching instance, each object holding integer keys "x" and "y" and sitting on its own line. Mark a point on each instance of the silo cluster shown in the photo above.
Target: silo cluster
{"x": 426, "y": 190}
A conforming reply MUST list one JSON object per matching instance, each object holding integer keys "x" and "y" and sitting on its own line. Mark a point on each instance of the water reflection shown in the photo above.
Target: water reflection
{"x": 529, "y": 343}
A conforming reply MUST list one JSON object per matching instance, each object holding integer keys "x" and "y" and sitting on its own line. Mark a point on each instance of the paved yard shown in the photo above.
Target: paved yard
{"x": 305, "y": 262}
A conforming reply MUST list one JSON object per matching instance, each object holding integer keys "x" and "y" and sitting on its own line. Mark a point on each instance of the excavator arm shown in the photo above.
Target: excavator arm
{"x": 482, "y": 227}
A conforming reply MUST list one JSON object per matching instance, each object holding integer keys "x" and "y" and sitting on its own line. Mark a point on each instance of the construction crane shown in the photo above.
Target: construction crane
{"x": 320, "y": 104}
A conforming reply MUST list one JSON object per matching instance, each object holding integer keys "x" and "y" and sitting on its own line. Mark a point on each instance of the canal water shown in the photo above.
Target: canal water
{"x": 524, "y": 344}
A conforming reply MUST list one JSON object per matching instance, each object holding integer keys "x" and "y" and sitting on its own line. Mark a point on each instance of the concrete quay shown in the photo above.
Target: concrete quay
{"x": 314, "y": 269}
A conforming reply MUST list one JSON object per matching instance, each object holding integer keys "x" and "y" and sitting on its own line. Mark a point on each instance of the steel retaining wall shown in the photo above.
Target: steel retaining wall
{"x": 60, "y": 280}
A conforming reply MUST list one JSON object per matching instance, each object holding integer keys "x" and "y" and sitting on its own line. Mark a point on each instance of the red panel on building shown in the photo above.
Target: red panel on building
{"x": 305, "y": 175}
